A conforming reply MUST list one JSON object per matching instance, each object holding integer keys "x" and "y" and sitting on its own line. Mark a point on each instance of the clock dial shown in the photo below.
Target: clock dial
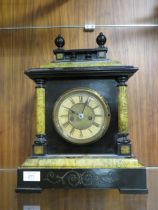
{"x": 81, "y": 116}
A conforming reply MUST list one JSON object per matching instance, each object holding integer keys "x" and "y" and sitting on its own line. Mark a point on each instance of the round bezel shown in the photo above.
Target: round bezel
{"x": 106, "y": 116}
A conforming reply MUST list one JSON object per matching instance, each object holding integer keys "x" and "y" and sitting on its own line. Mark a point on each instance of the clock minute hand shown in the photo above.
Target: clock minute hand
{"x": 85, "y": 104}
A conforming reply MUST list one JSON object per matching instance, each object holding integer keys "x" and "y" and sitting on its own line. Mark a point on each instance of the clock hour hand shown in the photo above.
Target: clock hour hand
{"x": 70, "y": 110}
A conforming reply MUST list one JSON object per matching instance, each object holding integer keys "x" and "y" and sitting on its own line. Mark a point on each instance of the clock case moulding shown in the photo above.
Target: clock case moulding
{"x": 106, "y": 163}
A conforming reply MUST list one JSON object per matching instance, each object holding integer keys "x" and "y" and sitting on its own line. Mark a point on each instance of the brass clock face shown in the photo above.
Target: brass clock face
{"x": 81, "y": 116}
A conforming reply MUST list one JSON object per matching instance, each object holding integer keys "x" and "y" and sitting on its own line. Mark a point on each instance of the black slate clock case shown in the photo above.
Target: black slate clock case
{"x": 106, "y": 163}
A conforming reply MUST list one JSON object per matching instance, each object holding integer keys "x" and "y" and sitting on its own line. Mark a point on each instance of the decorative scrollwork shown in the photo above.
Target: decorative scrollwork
{"x": 53, "y": 178}
{"x": 74, "y": 178}
{"x": 107, "y": 177}
{"x": 87, "y": 178}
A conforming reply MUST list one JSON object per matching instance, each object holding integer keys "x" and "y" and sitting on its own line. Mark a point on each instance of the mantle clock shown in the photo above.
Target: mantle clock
{"x": 81, "y": 121}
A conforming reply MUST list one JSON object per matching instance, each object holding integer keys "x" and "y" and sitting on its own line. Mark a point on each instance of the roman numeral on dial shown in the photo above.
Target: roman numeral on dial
{"x": 72, "y": 131}
{"x": 66, "y": 124}
{"x": 81, "y": 134}
{"x": 81, "y": 99}
{"x": 90, "y": 130}
{"x": 96, "y": 124}
{"x": 95, "y": 107}
{"x": 64, "y": 115}
{"x": 98, "y": 115}
{"x": 72, "y": 100}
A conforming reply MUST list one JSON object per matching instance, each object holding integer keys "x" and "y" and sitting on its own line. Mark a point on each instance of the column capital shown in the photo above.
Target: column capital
{"x": 121, "y": 81}
{"x": 40, "y": 83}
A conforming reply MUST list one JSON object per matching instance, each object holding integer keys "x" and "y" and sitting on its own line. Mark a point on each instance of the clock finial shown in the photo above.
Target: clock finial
{"x": 59, "y": 41}
{"x": 101, "y": 39}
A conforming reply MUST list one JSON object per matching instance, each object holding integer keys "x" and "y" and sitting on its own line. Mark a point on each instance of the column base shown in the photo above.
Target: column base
{"x": 124, "y": 149}
{"x": 39, "y": 147}
{"x": 123, "y": 144}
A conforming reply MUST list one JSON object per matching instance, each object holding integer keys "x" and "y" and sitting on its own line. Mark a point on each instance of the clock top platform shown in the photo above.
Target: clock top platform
{"x": 81, "y": 63}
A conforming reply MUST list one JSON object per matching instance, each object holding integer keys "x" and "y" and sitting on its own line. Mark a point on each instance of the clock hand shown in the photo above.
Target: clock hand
{"x": 85, "y": 104}
{"x": 71, "y": 110}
